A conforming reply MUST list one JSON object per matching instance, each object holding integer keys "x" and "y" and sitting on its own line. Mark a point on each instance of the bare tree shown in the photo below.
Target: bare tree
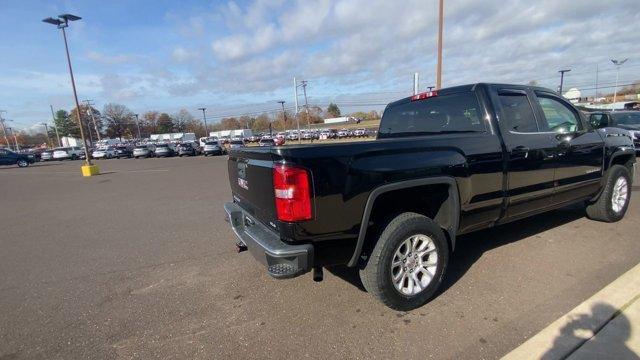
{"x": 119, "y": 120}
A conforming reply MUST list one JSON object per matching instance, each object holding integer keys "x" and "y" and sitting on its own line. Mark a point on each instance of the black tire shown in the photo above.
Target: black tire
{"x": 74, "y": 157}
{"x": 602, "y": 209}
{"x": 376, "y": 273}
{"x": 22, "y": 163}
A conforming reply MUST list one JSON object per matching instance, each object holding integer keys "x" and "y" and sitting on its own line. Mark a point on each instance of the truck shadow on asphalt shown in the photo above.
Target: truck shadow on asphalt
{"x": 470, "y": 247}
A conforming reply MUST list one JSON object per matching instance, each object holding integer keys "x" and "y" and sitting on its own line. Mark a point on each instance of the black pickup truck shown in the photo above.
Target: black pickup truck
{"x": 444, "y": 163}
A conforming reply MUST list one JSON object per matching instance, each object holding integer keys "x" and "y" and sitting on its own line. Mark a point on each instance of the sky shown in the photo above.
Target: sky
{"x": 240, "y": 57}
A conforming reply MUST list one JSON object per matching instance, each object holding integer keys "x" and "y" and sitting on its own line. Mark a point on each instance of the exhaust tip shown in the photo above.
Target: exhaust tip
{"x": 317, "y": 274}
{"x": 240, "y": 247}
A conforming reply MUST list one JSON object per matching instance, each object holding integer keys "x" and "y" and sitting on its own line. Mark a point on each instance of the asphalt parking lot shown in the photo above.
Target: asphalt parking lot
{"x": 139, "y": 263}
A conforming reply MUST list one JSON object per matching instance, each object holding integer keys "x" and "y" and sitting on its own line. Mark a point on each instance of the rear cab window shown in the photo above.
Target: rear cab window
{"x": 441, "y": 114}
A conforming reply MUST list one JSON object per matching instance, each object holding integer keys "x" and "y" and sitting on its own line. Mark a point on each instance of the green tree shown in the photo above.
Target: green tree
{"x": 66, "y": 126}
{"x": 333, "y": 110}
{"x": 164, "y": 124}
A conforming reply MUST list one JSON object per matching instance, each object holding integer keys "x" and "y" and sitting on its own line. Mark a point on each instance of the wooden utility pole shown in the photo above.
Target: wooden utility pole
{"x": 440, "y": 27}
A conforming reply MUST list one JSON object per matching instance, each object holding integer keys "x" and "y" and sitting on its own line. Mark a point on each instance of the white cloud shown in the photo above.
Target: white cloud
{"x": 181, "y": 54}
{"x": 109, "y": 59}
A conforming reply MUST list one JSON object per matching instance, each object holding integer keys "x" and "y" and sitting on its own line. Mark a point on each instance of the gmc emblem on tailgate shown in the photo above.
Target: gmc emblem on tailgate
{"x": 242, "y": 175}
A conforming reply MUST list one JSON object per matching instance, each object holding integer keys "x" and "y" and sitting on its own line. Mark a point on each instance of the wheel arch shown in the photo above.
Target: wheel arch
{"x": 447, "y": 216}
{"x": 622, "y": 156}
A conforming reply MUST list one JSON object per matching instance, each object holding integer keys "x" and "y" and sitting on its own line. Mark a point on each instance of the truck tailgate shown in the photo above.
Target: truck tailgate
{"x": 251, "y": 180}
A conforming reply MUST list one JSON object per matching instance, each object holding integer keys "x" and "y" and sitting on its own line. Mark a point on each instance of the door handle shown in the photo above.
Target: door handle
{"x": 520, "y": 150}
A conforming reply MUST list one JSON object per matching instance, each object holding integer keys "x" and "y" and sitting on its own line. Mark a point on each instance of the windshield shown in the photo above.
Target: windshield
{"x": 267, "y": 141}
{"x": 455, "y": 113}
{"x": 211, "y": 143}
{"x": 237, "y": 142}
{"x": 627, "y": 118}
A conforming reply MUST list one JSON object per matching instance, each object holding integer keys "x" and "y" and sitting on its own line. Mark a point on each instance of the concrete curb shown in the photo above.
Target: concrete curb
{"x": 556, "y": 342}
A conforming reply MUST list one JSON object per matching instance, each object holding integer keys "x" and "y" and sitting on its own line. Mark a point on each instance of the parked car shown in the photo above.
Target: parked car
{"x": 360, "y": 133}
{"x": 212, "y": 148}
{"x": 107, "y": 152}
{"x": 143, "y": 151}
{"x": 123, "y": 151}
{"x": 253, "y": 138}
{"x": 267, "y": 142}
{"x": 628, "y": 120}
{"x": 236, "y": 144}
{"x": 279, "y": 141}
{"x": 46, "y": 155}
{"x": 8, "y": 157}
{"x": 187, "y": 149}
{"x": 343, "y": 133}
{"x": 442, "y": 166}
{"x": 164, "y": 150}
{"x": 68, "y": 153}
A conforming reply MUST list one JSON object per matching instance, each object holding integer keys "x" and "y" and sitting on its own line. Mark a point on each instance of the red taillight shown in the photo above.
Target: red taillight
{"x": 293, "y": 193}
{"x": 424, "y": 95}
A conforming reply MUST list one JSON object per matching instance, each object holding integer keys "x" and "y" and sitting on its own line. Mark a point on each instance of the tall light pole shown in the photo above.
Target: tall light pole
{"x": 440, "y": 30}
{"x": 295, "y": 100}
{"x": 303, "y": 83}
{"x": 61, "y": 23}
{"x": 204, "y": 117}
{"x": 617, "y": 63}
{"x": 284, "y": 115}
{"x": 55, "y": 127}
{"x": 562, "y": 79}
{"x": 138, "y": 125}
{"x": 46, "y": 131}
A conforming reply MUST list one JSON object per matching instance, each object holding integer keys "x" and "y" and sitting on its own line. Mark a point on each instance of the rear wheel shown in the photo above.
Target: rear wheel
{"x": 407, "y": 264}
{"x": 613, "y": 202}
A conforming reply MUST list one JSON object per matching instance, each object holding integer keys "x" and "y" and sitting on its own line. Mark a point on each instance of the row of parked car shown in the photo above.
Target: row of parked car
{"x": 143, "y": 150}
{"x": 314, "y": 134}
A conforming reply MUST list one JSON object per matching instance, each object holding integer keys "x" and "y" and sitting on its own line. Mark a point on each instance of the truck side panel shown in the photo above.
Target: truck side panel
{"x": 344, "y": 176}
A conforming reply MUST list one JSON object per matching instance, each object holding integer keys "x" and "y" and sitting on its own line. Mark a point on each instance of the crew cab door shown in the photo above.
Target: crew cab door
{"x": 530, "y": 152}
{"x": 580, "y": 155}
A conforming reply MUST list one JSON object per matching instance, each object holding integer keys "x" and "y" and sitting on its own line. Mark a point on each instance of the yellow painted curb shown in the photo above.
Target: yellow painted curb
{"x": 90, "y": 170}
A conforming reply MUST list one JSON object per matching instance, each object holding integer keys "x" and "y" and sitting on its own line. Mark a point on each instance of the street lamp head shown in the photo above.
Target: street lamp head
{"x": 69, "y": 17}
{"x": 53, "y": 21}
{"x": 564, "y": 70}
{"x": 202, "y": 109}
{"x": 618, "y": 62}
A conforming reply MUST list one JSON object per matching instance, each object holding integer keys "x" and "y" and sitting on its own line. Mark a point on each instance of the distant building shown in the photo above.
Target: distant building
{"x": 243, "y": 133}
{"x": 339, "y": 120}
{"x": 173, "y": 137}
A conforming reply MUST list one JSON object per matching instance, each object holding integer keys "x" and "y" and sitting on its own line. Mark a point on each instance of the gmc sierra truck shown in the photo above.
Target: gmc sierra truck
{"x": 444, "y": 163}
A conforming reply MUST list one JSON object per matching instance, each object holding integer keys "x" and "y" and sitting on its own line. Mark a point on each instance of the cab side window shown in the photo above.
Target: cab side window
{"x": 517, "y": 113}
{"x": 559, "y": 117}
{"x": 3, "y": 152}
